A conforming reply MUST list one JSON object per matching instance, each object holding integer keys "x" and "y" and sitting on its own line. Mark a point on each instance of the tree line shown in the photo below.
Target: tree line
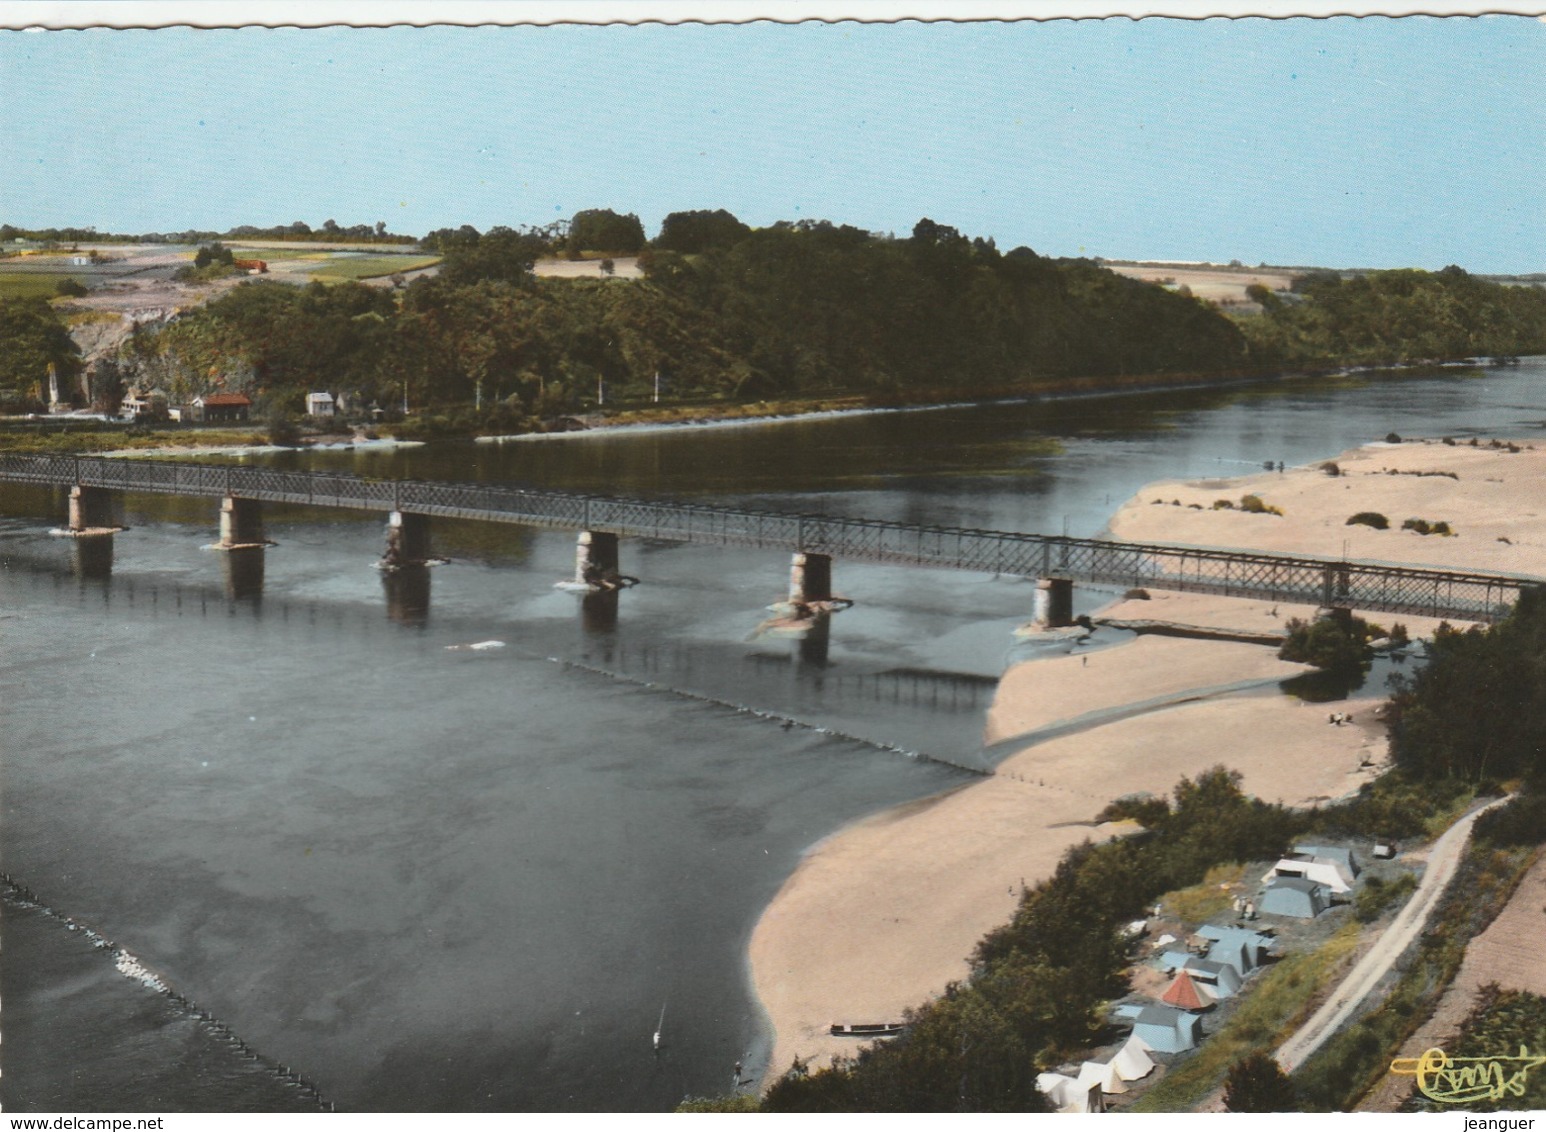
{"x": 795, "y": 311}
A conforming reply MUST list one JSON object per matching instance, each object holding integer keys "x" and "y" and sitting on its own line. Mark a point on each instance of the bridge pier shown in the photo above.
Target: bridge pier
{"x": 407, "y": 541}
{"x": 91, "y": 511}
{"x": 810, "y": 578}
{"x": 1054, "y": 602}
{"x": 241, "y": 525}
{"x": 595, "y": 558}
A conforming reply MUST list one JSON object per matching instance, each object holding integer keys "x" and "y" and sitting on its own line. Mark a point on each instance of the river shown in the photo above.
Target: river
{"x": 435, "y": 877}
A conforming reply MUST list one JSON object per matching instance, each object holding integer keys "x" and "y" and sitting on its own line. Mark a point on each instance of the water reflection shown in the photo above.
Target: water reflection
{"x": 242, "y": 572}
{"x": 407, "y": 595}
{"x": 598, "y": 611}
{"x": 91, "y": 557}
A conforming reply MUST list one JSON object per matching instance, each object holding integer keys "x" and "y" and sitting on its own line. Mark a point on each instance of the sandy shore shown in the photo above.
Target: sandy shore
{"x": 884, "y": 914}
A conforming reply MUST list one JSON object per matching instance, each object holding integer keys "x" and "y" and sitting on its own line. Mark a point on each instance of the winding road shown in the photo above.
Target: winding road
{"x": 1443, "y": 860}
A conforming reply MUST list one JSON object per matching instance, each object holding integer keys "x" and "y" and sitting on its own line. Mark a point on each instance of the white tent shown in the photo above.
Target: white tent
{"x": 1103, "y": 1074}
{"x": 1069, "y": 1095}
{"x": 1316, "y": 869}
{"x": 1132, "y": 1061}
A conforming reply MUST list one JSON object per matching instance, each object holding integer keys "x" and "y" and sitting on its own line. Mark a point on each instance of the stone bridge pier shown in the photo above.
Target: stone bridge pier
{"x": 1054, "y": 602}
{"x": 595, "y": 558}
{"x": 810, "y": 578}
{"x": 407, "y": 541}
{"x": 91, "y": 511}
{"x": 241, "y": 524}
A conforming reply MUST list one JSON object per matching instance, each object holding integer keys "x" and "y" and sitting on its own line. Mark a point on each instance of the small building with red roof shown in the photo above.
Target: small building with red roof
{"x": 217, "y": 407}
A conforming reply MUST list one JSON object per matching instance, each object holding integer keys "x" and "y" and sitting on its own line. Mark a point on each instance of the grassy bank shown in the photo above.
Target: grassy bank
{"x": 94, "y": 436}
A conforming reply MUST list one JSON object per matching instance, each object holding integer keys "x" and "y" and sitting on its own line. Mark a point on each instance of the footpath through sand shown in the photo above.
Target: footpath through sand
{"x": 884, "y": 914}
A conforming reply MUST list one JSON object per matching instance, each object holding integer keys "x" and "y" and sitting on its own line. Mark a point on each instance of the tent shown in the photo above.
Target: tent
{"x": 1343, "y": 859}
{"x": 1213, "y": 977}
{"x": 1104, "y": 1074}
{"x": 1241, "y": 948}
{"x": 1165, "y": 1029}
{"x": 1069, "y": 1095}
{"x": 1318, "y": 869}
{"x": 1293, "y": 896}
{"x": 1183, "y": 994}
{"x": 1132, "y": 1061}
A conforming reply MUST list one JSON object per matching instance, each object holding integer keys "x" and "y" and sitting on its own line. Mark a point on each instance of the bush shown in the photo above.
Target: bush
{"x": 1257, "y": 1083}
{"x": 1392, "y": 438}
{"x": 1521, "y": 822}
{"x": 1331, "y": 468}
{"x": 1327, "y": 644}
{"x": 69, "y": 288}
{"x": 1376, "y": 895}
{"x": 1136, "y": 595}
{"x": 1223, "y": 505}
{"x": 1423, "y": 527}
{"x": 1369, "y": 519}
{"x": 1253, "y": 504}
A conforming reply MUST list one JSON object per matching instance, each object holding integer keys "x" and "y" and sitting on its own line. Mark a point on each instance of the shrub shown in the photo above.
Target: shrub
{"x": 1331, "y": 468}
{"x": 1392, "y": 438}
{"x": 1369, "y": 519}
{"x": 1521, "y": 822}
{"x": 1257, "y": 1083}
{"x": 1223, "y": 505}
{"x": 1327, "y": 644}
{"x": 1254, "y": 505}
{"x": 1398, "y": 634}
{"x": 1376, "y": 895}
{"x": 1423, "y": 527}
{"x": 69, "y": 288}
{"x": 1136, "y": 595}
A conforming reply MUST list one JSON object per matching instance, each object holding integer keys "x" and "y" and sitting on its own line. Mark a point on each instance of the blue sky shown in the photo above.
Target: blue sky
{"x": 1351, "y": 142}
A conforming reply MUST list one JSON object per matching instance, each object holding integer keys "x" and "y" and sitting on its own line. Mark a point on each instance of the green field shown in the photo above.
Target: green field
{"x": 371, "y": 266}
{"x": 30, "y": 285}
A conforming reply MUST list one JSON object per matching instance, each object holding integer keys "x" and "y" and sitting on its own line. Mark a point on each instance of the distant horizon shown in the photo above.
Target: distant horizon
{"x": 1378, "y": 142}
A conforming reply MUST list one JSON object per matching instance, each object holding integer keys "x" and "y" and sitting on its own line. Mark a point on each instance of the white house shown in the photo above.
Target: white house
{"x": 320, "y": 405}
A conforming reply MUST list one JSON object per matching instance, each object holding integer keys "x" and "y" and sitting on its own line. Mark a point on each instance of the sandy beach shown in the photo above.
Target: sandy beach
{"x": 884, "y": 914}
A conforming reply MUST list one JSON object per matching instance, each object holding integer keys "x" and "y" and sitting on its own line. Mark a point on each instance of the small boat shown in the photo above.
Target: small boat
{"x": 867, "y": 1029}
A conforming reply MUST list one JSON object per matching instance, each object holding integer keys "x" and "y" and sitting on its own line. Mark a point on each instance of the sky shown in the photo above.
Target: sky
{"x": 1374, "y": 142}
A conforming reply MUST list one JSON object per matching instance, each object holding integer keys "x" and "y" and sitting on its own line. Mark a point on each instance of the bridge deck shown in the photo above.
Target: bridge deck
{"x": 1370, "y": 586}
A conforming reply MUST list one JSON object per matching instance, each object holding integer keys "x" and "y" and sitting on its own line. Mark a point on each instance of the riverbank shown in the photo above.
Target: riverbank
{"x": 884, "y": 914}
{"x": 691, "y": 418}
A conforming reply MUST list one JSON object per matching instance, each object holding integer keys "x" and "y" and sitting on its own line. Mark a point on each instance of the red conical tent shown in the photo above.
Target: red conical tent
{"x": 1183, "y": 993}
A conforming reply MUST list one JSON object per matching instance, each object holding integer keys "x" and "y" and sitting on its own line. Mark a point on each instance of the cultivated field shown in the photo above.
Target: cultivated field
{"x": 1212, "y": 282}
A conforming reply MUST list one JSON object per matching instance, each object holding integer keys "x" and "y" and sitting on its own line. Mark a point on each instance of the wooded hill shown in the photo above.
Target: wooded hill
{"x": 797, "y": 311}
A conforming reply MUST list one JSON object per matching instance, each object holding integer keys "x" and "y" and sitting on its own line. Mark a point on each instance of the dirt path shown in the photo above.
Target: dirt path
{"x": 1443, "y": 860}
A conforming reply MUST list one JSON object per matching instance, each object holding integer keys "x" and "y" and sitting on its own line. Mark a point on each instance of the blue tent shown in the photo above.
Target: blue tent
{"x": 1294, "y": 896}
{"x": 1168, "y": 1030}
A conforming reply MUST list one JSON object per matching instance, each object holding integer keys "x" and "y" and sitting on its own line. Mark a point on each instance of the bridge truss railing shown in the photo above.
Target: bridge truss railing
{"x": 1371, "y": 586}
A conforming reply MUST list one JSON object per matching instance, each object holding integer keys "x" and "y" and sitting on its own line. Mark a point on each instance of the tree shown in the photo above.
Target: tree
{"x": 32, "y": 337}
{"x": 700, "y": 231}
{"x": 1257, "y": 1083}
{"x": 602, "y": 230}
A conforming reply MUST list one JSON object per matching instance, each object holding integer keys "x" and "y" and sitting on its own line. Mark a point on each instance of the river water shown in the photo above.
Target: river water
{"x": 426, "y": 876}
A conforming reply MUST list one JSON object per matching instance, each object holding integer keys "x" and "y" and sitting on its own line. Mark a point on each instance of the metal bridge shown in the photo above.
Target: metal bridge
{"x": 1368, "y": 586}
